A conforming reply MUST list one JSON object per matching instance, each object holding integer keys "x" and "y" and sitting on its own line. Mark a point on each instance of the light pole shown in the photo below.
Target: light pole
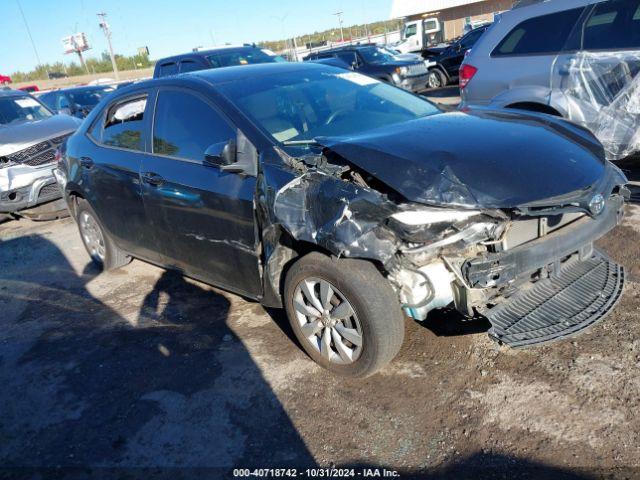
{"x": 107, "y": 33}
{"x": 339, "y": 15}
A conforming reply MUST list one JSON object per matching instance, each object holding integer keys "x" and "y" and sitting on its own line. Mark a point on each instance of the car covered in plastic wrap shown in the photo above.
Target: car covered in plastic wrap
{"x": 578, "y": 59}
{"x": 29, "y": 137}
{"x": 348, "y": 201}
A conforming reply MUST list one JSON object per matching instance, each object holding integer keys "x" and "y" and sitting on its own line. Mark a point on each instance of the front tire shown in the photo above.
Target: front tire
{"x": 102, "y": 250}
{"x": 344, "y": 313}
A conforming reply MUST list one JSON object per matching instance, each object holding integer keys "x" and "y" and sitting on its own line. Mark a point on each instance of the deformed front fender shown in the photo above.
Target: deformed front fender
{"x": 313, "y": 208}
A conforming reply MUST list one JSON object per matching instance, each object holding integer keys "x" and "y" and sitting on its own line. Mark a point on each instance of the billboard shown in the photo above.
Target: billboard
{"x": 75, "y": 43}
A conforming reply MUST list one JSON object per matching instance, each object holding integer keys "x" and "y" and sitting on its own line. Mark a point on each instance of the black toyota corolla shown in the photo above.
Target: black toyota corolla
{"x": 351, "y": 203}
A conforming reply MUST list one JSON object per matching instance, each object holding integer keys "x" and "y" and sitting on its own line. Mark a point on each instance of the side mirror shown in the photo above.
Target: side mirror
{"x": 354, "y": 65}
{"x": 221, "y": 154}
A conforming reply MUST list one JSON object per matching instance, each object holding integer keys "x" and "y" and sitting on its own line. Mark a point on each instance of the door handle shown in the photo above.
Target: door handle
{"x": 152, "y": 179}
{"x": 86, "y": 162}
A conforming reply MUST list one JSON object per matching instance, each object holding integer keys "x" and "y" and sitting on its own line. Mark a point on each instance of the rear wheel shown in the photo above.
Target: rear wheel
{"x": 344, "y": 313}
{"x": 436, "y": 79}
{"x": 104, "y": 253}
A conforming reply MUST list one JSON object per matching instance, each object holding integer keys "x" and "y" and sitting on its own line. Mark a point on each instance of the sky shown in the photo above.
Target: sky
{"x": 167, "y": 27}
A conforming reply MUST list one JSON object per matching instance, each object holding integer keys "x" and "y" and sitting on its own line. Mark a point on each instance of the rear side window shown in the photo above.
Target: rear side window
{"x": 185, "y": 126}
{"x": 189, "y": 66}
{"x": 170, "y": 68}
{"x": 613, "y": 25}
{"x": 547, "y": 34}
{"x": 123, "y": 125}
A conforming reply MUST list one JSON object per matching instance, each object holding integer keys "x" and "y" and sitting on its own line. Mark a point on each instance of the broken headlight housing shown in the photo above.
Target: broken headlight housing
{"x": 433, "y": 228}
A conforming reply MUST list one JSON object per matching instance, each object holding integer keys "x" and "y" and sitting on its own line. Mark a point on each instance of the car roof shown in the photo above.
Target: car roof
{"x": 83, "y": 87}
{"x": 348, "y": 47}
{"x": 204, "y": 53}
{"x": 217, "y": 76}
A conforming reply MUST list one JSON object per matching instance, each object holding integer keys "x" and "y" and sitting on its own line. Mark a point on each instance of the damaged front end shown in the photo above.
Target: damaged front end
{"x": 530, "y": 269}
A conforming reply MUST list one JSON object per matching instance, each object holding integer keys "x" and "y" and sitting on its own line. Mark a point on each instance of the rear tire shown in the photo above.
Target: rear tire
{"x": 103, "y": 251}
{"x": 354, "y": 326}
{"x": 436, "y": 79}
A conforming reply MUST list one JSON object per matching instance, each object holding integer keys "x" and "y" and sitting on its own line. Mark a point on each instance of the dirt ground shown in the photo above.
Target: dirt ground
{"x": 140, "y": 370}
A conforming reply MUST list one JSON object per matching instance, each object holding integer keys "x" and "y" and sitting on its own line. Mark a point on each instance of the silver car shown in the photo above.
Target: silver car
{"x": 573, "y": 58}
{"x": 29, "y": 136}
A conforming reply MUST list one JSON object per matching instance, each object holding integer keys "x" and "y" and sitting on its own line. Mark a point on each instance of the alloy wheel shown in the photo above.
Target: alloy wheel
{"x": 92, "y": 236}
{"x": 328, "y": 321}
{"x": 434, "y": 80}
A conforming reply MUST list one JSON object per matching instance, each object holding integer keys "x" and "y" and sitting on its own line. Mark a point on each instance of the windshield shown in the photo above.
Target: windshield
{"x": 375, "y": 55}
{"x": 89, "y": 98}
{"x": 302, "y": 105}
{"x": 245, "y": 57}
{"x": 21, "y": 109}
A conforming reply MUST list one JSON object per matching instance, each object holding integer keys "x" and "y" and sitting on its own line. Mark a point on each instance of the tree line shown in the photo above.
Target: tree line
{"x": 94, "y": 65}
{"x": 333, "y": 35}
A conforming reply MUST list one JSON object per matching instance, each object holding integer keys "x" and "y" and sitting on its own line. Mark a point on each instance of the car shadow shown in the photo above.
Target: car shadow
{"x": 448, "y": 322}
{"x": 485, "y": 465}
{"x": 166, "y": 385}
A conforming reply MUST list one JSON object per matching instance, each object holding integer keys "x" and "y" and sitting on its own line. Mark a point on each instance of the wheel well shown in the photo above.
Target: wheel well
{"x": 73, "y": 204}
{"x": 441, "y": 70}
{"x": 535, "y": 107}
{"x": 288, "y": 251}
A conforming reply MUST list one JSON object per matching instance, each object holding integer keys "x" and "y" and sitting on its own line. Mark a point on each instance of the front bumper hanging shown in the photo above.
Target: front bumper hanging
{"x": 580, "y": 295}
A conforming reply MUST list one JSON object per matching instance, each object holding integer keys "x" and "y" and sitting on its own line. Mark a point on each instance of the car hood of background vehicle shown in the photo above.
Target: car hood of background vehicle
{"x": 16, "y": 137}
{"x": 479, "y": 158}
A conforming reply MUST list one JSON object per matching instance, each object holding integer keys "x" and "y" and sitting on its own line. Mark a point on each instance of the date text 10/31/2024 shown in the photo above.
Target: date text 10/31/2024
{"x": 316, "y": 473}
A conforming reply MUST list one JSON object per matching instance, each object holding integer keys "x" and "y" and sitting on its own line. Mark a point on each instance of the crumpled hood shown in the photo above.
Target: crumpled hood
{"x": 22, "y": 135}
{"x": 478, "y": 158}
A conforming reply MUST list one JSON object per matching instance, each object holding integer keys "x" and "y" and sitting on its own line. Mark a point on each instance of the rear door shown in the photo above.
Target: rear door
{"x": 112, "y": 173}
{"x": 203, "y": 217}
{"x": 593, "y": 82}
{"x": 610, "y": 32}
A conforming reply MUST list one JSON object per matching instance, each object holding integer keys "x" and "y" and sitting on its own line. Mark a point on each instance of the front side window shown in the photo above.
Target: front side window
{"x": 347, "y": 57}
{"x": 185, "y": 126}
{"x": 410, "y": 30}
{"x": 124, "y": 125}
{"x": 303, "y": 105}
{"x": 21, "y": 109}
{"x": 613, "y": 25}
{"x": 542, "y": 35}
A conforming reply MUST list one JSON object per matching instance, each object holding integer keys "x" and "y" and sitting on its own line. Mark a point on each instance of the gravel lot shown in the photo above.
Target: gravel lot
{"x": 141, "y": 368}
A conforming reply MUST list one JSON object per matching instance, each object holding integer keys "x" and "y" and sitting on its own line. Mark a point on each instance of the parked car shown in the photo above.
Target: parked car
{"x": 215, "y": 58}
{"x": 346, "y": 201}
{"x": 445, "y": 64}
{"x": 76, "y": 101}
{"x": 5, "y": 80}
{"x": 577, "y": 59}
{"x": 29, "y": 137}
{"x": 376, "y": 62}
{"x": 55, "y": 75}
{"x": 29, "y": 88}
